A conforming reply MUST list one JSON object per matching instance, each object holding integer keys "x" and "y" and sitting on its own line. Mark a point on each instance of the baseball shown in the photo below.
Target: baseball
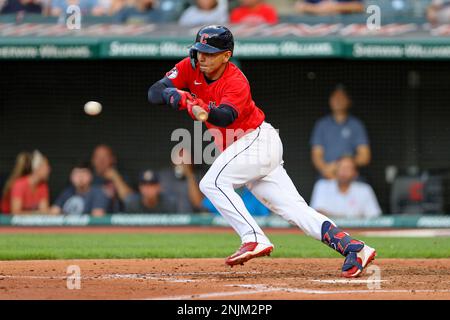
{"x": 92, "y": 108}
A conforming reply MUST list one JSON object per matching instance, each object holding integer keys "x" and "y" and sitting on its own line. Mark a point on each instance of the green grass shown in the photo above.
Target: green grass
{"x": 217, "y": 245}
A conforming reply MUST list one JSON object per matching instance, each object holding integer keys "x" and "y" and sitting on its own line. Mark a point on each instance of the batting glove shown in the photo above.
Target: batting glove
{"x": 196, "y": 102}
{"x": 177, "y": 99}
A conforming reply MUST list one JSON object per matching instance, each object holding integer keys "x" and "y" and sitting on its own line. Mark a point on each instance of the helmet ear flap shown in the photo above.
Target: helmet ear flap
{"x": 193, "y": 57}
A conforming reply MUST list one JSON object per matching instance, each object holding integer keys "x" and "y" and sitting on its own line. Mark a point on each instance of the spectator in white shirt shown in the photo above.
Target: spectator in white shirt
{"x": 344, "y": 197}
{"x": 205, "y": 12}
{"x": 439, "y": 12}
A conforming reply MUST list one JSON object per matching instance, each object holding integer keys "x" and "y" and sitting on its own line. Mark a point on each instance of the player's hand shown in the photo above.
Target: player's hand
{"x": 177, "y": 99}
{"x": 196, "y": 102}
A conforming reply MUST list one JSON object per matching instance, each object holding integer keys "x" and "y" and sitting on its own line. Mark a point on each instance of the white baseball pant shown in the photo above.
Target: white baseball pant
{"x": 256, "y": 160}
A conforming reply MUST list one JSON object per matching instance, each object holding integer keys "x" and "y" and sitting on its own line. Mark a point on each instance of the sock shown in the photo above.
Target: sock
{"x": 339, "y": 240}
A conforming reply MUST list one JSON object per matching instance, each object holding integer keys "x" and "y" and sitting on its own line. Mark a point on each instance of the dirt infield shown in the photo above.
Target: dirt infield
{"x": 264, "y": 278}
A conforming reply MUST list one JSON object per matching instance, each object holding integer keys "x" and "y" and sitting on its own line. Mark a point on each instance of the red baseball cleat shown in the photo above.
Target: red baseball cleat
{"x": 356, "y": 262}
{"x": 247, "y": 251}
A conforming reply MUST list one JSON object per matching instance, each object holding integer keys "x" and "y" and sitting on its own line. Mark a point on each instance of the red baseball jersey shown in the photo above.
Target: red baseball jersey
{"x": 232, "y": 89}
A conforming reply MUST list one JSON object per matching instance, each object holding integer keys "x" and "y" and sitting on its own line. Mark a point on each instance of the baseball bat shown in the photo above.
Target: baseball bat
{"x": 199, "y": 113}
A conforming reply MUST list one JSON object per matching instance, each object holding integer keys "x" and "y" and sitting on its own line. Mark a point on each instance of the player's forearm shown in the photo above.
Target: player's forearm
{"x": 318, "y": 161}
{"x": 350, "y": 7}
{"x": 123, "y": 190}
{"x": 55, "y": 210}
{"x": 304, "y": 7}
{"x": 320, "y": 165}
{"x": 155, "y": 93}
{"x": 362, "y": 160}
{"x": 363, "y": 156}
{"x": 17, "y": 208}
{"x": 195, "y": 195}
{"x": 26, "y": 212}
{"x": 122, "y": 187}
{"x": 222, "y": 116}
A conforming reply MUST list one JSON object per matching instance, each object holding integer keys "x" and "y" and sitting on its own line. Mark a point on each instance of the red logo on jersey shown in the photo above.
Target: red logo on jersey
{"x": 172, "y": 74}
{"x": 203, "y": 38}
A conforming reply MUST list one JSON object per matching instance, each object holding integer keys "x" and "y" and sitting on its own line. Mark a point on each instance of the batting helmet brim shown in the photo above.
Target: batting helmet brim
{"x": 206, "y": 48}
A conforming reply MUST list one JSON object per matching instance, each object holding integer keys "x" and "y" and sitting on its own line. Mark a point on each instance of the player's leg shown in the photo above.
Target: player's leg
{"x": 237, "y": 165}
{"x": 277, "y": 192}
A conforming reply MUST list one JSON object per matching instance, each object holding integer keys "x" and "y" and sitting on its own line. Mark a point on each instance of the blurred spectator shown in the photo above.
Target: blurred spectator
{"x": 81, "y": 197}
{"x": 22, "y": 167}
{"x": 337, "y": 135}
{"x": 106, "y": 7}
{"x": 106, "y": 175}
{"x": 205, "y": 12}
{"x": 138, "y": 11}
{"x": 344, "y": 197}
{"x": 439, "y": 11}
{"x": 329, "y": 7}
{"x": 88, "y": 7}
{"x": 59, "y": 7}
{"x": 3, "y": 179}
{"x": 117, "y": 5}
{"x": 29, "y": 194}
{"x": 254, "y": 12}
{"x": 180, "y": 181}
{"x": 150, "y": 199}
{"x": 254, "y": 206}
{"x": 24, "y": 6}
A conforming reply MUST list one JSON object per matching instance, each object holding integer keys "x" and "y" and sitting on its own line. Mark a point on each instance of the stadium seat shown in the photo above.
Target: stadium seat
{"x": 417, "y": 195}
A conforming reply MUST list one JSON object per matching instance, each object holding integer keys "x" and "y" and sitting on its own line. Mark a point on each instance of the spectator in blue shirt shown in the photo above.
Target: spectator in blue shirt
{"x": 339, "y": 134}
{"x": 139, "y": 12}
{"x": 81, "y": 197}
{"x": 254, "y": 206}
{"x": 25, "y": 6}
{"x": 329, "y": 7}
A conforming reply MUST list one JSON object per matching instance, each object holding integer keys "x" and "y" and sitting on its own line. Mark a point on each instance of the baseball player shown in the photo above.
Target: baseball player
{"x": 251, "y": 151}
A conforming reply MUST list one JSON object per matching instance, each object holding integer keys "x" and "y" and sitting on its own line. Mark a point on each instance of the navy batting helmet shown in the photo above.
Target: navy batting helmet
{"x": 211, "y": 39}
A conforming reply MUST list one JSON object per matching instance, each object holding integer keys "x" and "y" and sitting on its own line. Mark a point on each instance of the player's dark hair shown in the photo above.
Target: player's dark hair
{"x": 341, "y": 87}
{"x": 82, "y": 165}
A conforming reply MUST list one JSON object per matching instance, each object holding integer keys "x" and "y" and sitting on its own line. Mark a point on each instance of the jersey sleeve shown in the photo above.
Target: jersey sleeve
{"x": 237, "y": 96}
{"x": 180, "y": 74}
